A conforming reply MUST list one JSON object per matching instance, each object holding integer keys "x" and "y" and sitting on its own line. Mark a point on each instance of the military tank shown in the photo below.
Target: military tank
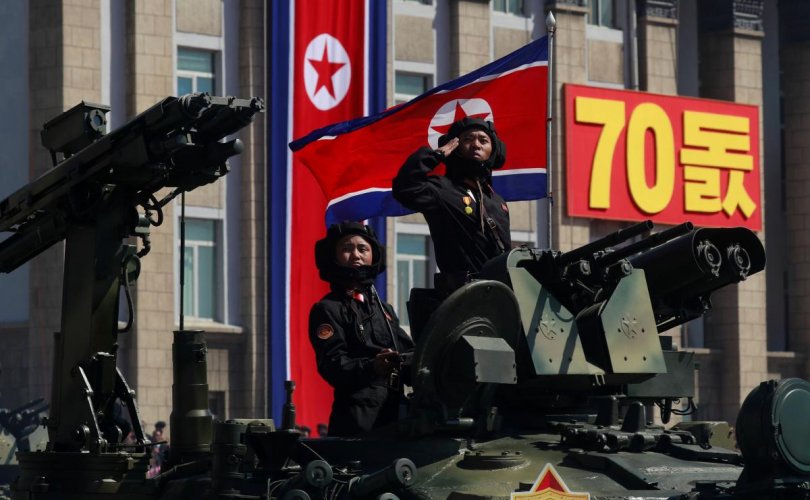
{"x": 535, "y": 380}
{"x": 538, "y": 380}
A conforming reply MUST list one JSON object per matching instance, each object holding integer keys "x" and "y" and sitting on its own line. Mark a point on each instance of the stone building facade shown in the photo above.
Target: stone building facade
{"x": 131, "y": 54}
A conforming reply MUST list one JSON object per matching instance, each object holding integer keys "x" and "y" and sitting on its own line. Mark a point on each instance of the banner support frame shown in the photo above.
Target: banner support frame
{"x": 551, "y": 27}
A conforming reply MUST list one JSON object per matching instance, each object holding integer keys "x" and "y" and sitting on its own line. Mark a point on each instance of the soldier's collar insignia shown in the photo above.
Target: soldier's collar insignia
{"x": 550, "y": 486}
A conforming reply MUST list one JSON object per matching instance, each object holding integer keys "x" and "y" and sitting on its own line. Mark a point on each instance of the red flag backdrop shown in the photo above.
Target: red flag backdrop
{"x": 328, "y": 86}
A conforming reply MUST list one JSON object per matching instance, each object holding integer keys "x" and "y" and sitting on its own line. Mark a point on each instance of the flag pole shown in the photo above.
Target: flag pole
{"x": 551, "y": 27}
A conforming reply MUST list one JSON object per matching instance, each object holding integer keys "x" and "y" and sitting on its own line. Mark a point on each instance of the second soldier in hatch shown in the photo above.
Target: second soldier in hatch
{"x": 356, "y": 336}
{"x": 468, "y": 220}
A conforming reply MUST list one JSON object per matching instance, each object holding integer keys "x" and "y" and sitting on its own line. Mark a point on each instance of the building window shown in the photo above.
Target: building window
{"x": 408, "y": 85}
{"x": 195, "y": 71}
{"x": 200, "y": 264}
{"x": 413, "y": 269}
{"x": 516, "y": 7}
{"x": 602, "y": 13}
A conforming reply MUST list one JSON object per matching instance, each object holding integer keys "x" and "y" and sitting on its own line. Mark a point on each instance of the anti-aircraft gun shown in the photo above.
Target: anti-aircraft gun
{"x": 102, "y": 192}
{"x": 91, "y": 199}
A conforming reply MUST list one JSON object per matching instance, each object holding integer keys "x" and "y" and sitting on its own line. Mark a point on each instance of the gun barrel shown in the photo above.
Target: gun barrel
{"x": 608, "y": 241}
{"x": 228, "y": 119}
{"x": 645, "y": 244}
{"x": 399, "y": 474}
{"x": 38, "y": 405}
{"x": 33, "y": 238}
{"x": 687, "y": 269}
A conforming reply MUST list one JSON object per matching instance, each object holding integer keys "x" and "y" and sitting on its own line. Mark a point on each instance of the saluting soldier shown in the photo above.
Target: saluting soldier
{"x": 357, "y": 338}
{"x": 468, "y": 220}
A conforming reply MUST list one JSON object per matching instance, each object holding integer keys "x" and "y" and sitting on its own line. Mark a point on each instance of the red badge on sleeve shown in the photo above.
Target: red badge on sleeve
{"x": 325, "y": 331}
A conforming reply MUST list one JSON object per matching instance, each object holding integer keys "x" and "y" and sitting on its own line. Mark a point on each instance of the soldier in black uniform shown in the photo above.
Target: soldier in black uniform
{"x": 468, "y": 220}
{"x": 356, "y": 337}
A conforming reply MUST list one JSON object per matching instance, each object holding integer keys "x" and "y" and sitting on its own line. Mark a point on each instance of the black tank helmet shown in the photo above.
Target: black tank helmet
{"x": 331, "y": 271}
{"x": 457, "y": 166}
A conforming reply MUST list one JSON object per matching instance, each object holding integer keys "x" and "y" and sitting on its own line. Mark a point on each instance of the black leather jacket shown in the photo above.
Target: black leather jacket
{"x": 346, "y": 336}
{"x": 452, "y": 209}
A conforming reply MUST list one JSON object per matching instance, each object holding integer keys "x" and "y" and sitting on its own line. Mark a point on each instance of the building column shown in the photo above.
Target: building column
{"x": 795, "y": 82}
{"x": 569, "y": 66}
{"x": 150, "y": 59}
{"x": 65, "y": 68}
{"x": 731, "y": 69}
{"x": 252, "y": 400}
{"x": 469, "y": 36}
{"x": 657, "y": 36}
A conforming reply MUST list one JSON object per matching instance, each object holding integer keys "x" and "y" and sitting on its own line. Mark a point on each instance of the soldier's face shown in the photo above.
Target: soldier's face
{"x": 475, "y": 145}
{"x": 353, "y": 251}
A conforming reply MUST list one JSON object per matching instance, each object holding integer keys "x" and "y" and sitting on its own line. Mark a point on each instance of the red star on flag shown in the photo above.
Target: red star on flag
{"x": 458, "y": 114}
{"x": 326, "y": 69}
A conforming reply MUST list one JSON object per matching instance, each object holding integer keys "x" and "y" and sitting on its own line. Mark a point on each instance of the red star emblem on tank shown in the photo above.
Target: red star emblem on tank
{"x": 550, "y": 486}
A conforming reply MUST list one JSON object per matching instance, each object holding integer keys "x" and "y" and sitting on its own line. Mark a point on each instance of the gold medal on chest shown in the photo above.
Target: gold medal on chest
{"x": 467, "y": 201}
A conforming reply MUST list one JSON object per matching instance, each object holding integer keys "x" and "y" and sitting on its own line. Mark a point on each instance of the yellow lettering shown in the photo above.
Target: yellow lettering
{"x": 714, "y": 140}
{"x": 649, "y": 116}
{"x": 610, "y": 114}
{"x": 737, "y": 196}
{"x": 720, "y": 142}
{"x": 701, "y": 189}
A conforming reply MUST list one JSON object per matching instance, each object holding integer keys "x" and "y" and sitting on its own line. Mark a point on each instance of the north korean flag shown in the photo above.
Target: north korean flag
{"x": 354, "y": 162}
{"x": 327, "y": 64}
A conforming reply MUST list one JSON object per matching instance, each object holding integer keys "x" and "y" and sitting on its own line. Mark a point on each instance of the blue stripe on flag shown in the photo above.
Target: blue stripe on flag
{"x": 347, "y": 208}
{"x": 511, "y": 186}
{"x": 519, "y": 186}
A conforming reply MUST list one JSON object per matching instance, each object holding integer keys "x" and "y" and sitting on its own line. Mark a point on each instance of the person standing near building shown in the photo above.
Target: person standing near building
{"x": 356, "y": 337}
{"x": 468, "y": 220}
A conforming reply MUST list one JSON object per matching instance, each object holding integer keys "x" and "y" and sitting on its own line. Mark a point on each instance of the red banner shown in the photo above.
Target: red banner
{"x": 636, "y": 156}
{"x": 328, "y": 86}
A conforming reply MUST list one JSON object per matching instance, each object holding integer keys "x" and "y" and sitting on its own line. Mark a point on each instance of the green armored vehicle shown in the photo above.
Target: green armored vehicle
{"x": 534, "y": 381}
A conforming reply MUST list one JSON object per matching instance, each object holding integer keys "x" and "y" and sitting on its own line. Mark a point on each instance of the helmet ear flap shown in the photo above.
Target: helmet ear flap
{"x": 377, "y": 250}
{"x": 498, "y": 153}
{"x": 324, "y": 257}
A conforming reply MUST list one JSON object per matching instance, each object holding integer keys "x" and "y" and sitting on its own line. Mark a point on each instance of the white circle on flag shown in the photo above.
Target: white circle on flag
{"x": 452, "y": 111}
{"x": 327, "y": 71}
